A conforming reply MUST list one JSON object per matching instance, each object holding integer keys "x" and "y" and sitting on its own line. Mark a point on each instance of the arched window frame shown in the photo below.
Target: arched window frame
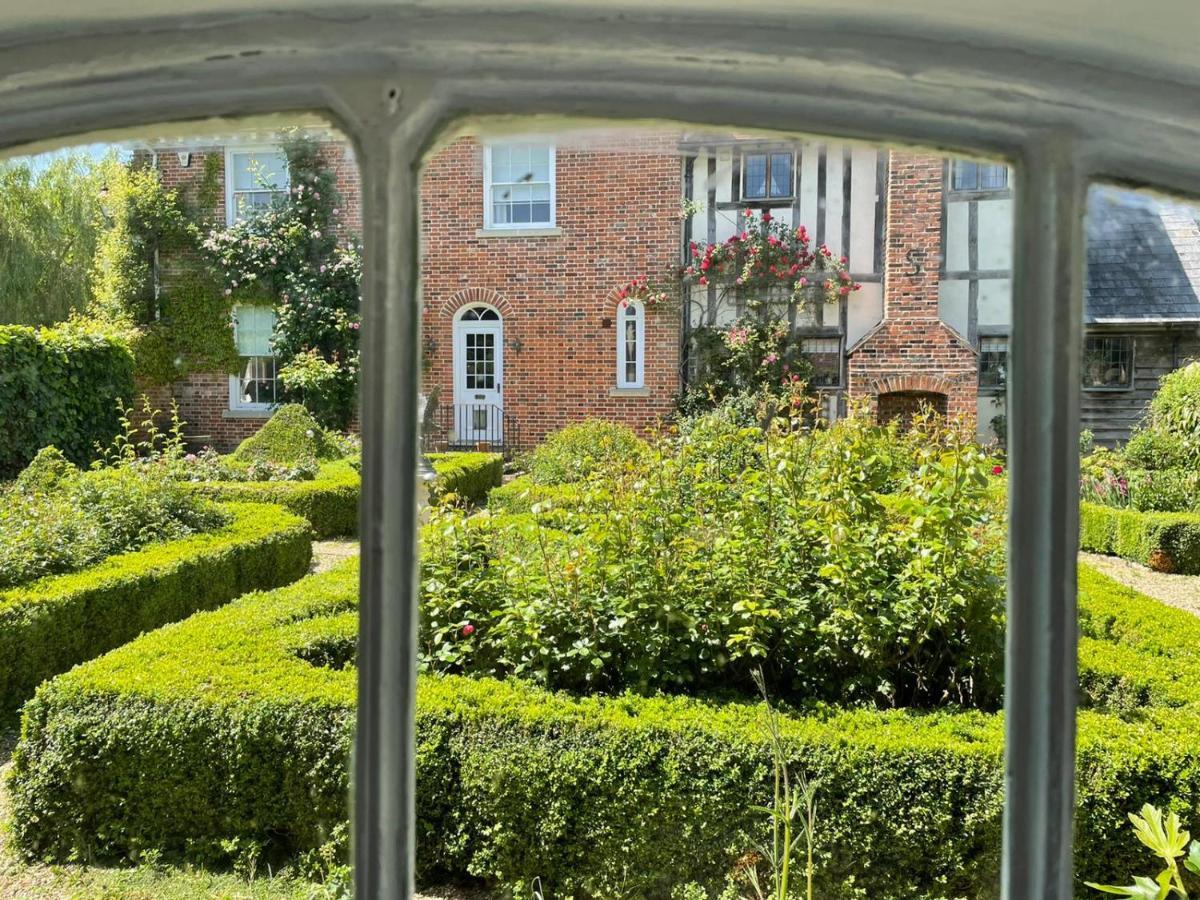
{"x": 631, "y": 309}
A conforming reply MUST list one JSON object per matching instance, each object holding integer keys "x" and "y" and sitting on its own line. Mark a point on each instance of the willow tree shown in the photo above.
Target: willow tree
{"x": 50, "y": 223}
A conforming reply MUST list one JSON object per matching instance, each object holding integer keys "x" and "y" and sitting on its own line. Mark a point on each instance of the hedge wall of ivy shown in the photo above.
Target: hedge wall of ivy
{"x": 237, "y": 723}
{"x": 60, "y": 388}
{"x": 49, "y": 625}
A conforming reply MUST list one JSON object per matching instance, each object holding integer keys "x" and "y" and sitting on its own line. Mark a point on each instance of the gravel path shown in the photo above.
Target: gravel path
{"x": 1182, "y": 591}
{"x": 327, "y": 554}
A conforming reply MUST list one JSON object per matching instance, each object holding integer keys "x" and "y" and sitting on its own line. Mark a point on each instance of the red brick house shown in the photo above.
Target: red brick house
{"x": 525, "y": 244}
{"x": 527, "y": 240}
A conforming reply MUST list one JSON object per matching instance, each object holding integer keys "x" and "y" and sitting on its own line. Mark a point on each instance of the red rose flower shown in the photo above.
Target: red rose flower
{"x": 997, "y": 470}
{"x": 468, "y": 630}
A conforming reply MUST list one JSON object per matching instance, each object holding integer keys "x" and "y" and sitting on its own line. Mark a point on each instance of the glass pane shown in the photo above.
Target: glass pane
{"x": 781, "y": 174}
{"x": 540, "y": 163}
{"x": 755, "y": 175}
{"x": 255, "y": 327}
{"x": 259, "y": 170}
{"x": 1138, "y": 586}
{"x": 966, "y": 175}
{"x": 798, "y": 484}
{"x": 199, "y": 570}
{"x": 992, "y": 177}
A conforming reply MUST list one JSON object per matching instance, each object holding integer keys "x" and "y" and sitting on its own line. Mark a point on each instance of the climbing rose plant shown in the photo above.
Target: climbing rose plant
{"x": 765, "y": 257}
{"x": 772, "y": 270}
{"x": 297, "y": 257}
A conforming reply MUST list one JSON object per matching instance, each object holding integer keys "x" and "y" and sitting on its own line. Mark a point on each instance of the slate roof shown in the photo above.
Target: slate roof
{"x": 1143, "y": 260}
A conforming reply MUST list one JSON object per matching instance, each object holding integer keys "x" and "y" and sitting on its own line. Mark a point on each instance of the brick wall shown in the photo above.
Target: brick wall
{"x": 618, "y": 211}
{"x": 912, "y": 352}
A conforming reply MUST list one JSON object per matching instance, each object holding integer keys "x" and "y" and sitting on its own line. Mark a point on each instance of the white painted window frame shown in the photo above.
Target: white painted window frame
{"x": 1084, "y": 101}
{"x": 489, "y": 222}
{"x": 639, "y": 318}
{"x": 230, "y": 194}
{"x": 236, "y": 403}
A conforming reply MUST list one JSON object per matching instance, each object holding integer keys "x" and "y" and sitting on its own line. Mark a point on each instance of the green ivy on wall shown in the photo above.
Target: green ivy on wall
{"x": 193, "y": 334}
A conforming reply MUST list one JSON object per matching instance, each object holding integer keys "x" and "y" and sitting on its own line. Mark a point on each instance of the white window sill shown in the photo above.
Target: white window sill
{"x": 263, "y": 413}
{"x": 546, "y": 231}
{"x": 631, "y": 393}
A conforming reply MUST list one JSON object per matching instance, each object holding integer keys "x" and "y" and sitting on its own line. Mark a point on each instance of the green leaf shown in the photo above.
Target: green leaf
{"x": 1143, "y": 888}
{"x": 1192, "y": 863}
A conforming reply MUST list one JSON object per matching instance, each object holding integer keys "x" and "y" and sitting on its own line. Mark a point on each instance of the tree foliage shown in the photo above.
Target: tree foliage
{"x": 50, "y": 225}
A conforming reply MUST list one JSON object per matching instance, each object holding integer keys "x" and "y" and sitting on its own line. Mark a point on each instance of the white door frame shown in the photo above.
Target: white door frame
{"x": 478, "y": 411}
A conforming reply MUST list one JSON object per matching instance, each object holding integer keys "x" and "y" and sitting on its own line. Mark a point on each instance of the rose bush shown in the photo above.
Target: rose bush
{"x": 854, "y": 564}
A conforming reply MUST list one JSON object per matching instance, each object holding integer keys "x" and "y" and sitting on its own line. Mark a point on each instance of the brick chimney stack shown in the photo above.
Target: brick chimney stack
{"x": 911, "y": 357}
{"x": 914, "y": 237}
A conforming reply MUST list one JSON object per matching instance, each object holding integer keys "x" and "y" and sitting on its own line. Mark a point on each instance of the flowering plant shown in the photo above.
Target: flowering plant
{"x": 751, "y": 357}
{"x": 295, "y": 256}
{"x": 641, "y": 290}
{"x": 767, "y": 256}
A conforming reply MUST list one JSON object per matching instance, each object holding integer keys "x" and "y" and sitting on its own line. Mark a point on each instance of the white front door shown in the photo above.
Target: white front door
{"x": 478, "y": 377}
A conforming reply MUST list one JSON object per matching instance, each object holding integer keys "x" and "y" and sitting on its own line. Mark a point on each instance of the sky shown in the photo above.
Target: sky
{"x": 94, "y": 151}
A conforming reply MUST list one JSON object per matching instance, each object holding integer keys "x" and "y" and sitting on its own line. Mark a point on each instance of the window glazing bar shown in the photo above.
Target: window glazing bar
{"x": 383, "y": 783}
{"x": 1043, "y": 502}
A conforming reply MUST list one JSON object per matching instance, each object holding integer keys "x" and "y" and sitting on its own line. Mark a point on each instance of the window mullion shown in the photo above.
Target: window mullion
{"x": 1043, "y": 423}
{"x": 384, "y": 750}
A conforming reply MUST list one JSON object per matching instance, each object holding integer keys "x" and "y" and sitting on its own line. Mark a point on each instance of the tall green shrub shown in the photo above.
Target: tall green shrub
{"x": 60, "y": 386}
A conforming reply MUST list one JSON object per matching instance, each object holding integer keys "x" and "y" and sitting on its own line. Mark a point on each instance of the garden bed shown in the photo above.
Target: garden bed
{"x": 49, "y": 625}
{"x": 237, "y": 723}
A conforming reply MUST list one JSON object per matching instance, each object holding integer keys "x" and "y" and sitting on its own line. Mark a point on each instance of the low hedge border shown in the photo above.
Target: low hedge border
{"x": 521, "y": 494}
{"x": 466, "y": 475}
{"x": 223, "y": 727}
{"x": 49, "y": 625}
{"x": 329, "y": 502}
{"x": 1164, "y": 541}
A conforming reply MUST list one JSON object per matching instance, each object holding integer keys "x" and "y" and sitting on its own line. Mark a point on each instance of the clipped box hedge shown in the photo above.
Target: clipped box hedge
{"x": 49, "y": 625}
{"x": 60, "y": 387}
{"x": 1164, "y": 541}
{"x": 329, "y": 502}
{"x": 467, "y": 475}
{"x": 237, "y": 723}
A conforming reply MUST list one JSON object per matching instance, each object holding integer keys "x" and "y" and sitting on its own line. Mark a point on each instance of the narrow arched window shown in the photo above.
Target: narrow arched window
{"x": 631, "y": 345}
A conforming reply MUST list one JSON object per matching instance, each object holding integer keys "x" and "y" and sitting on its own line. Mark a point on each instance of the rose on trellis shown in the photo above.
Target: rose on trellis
{"x": 765, "y": 257}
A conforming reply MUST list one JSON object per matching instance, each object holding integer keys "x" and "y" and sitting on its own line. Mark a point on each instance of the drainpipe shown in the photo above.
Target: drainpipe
{"x": 685, "y": 344}
{"x": 154, "y": 270}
